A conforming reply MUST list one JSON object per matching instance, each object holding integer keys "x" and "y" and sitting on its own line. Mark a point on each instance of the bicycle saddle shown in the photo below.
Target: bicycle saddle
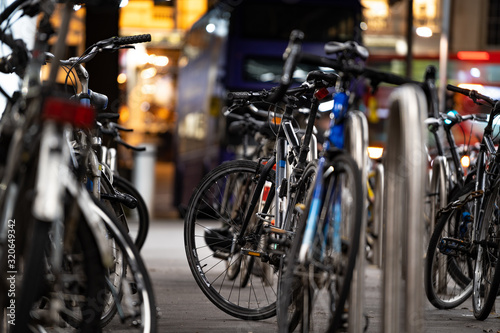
{"x": 338, "y": 48}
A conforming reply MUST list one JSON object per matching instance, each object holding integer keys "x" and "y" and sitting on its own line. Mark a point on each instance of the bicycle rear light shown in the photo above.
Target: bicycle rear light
{"x": 65, "y": 111}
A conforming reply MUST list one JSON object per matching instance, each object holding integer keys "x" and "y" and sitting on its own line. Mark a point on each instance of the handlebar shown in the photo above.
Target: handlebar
{"x": 472, "y": 94}
{"x": 375, "y": 76}
{"x": 109, "y": 44}
{"x": 131, "y": 39}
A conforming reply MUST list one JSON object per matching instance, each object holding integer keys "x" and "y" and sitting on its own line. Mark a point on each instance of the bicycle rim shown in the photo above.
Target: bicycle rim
{"x": 134, "y": 300}
{"x": 314, "y": 292}
{"x": 137, "y": 218}
{"x": 237, "y": 282}
{"x": 486, "y": 274}
{"x": 449, "y": 263}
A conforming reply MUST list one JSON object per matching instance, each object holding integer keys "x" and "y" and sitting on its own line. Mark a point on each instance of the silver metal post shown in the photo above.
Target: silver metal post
{"x": 403, "y": 252}
{"x": 356, "y": 143}
{"x": 443, "y": 53}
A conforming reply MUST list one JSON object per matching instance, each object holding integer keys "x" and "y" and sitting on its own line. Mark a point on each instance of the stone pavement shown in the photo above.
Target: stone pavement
{"x": 185, "y": 308}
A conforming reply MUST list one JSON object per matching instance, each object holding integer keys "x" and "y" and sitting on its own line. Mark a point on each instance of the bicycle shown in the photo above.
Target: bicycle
{"x": 103, "y": 185}
{"x": 120, "y": 194}
{"x": 321, "y": 261}
{"x": 248, "y": 251}
{"x": 463, "y": 252}
{"x": 39, "y": 148}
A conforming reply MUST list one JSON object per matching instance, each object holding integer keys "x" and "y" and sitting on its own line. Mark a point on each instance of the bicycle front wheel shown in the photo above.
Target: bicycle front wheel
{"x": 315, "y": 287}
{"x": 486, "y": 273}
{"x": 449, "y": 262}
{"x": 231, "y": 274}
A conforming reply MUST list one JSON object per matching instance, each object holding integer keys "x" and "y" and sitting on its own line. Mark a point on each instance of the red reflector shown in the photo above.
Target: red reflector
{"x": 65, "y": 111}
{"x": 473, "y": 55}
{"x": 321, "y": 93}
{"x": 265, "y": 192}
{"x": 274, "y": 166}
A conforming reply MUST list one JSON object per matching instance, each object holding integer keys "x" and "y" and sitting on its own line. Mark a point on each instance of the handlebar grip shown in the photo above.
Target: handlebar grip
{"x": 473, "y": 94}
{"x": 238, "y": 95}
{"x": 459, "y": 90}
{"x": 132, "y": 39}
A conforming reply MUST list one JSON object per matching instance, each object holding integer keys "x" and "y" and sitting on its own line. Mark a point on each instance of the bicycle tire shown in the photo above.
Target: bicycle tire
{"x": 214, "y": 216}
{"x": 448, "y": 272}
{"x": 135, "y": 271}
{"x": 299, "y": 298}
{"x": 486, "y": 273}
{"x": 137, "y": 218}
{"x": 90, "y": 285}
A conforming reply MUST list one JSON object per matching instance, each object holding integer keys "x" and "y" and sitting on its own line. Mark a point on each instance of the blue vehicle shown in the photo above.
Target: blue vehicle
{"x": 238, "y": 46}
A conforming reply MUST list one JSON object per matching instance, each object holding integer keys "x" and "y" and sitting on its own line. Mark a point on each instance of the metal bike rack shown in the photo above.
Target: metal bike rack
{"x": 405, "y": 166}
{"x": 356, "y": 143}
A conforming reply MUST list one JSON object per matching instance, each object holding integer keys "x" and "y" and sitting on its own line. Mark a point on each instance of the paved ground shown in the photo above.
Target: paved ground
{"x": 185, "y": 309}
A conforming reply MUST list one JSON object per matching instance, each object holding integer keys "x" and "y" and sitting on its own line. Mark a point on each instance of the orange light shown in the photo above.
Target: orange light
{"x": 473, "y": 55}
{"x": 465, "y": 161}
{"x": 375, "y": 152}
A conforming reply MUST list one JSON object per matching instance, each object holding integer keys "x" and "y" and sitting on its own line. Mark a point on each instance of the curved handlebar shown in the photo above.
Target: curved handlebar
{"x": 132, "y": 39}
{"x": 372, "y": 74}
{"x": 472, "y": 94}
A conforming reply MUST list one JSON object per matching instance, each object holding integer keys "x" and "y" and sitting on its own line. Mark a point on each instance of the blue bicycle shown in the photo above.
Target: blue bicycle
{"x": 319, "y": 267}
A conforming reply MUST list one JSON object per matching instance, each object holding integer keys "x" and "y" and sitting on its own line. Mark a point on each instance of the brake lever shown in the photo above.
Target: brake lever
{"x": 126, "y": 145}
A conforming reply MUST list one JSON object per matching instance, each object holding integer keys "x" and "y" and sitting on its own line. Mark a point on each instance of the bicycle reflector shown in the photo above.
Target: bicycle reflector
{"x": 66, "y": 111}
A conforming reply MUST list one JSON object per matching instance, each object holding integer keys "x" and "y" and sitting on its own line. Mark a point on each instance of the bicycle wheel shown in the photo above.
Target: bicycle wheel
{"x": 232, "y": 275}
{"x": 314, "y": 291}
{"x": 73, "y": 288}
{"x": 129, "y": 207}
{"x": 449, "y": 262}
{"x": 486, "y": 274}
{"x": 129, "y": 291}
{"x": 138, "y": 217}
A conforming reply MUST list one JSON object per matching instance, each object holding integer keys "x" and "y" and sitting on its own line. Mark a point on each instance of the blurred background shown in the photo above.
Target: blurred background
{"x": 171, "y": 91}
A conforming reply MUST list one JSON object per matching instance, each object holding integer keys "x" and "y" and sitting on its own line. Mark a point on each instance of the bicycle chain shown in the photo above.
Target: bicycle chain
{"x": 460, "y": 202}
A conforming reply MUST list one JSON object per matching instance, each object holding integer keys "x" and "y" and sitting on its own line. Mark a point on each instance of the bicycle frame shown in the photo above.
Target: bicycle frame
{"x": 335, "y": 140}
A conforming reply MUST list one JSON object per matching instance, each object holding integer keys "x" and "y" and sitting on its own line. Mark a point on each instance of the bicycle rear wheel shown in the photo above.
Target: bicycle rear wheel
{"x": 486, "y": 273}
{"x": 314, "y": 292}
{"x": 138, "y": 217}
{"x": 232, "y": 275}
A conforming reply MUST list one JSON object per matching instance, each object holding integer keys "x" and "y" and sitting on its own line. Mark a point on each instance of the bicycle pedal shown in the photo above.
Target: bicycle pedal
{"x": 253, "y": 253}
{"x": 453, "y": 246}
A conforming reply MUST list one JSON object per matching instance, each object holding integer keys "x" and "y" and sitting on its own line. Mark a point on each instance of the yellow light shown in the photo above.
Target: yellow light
{"x": 122, "y": 78}
{"x": 425, "y": 32}
{"x": 148, "y": 73}
{"x": 160, "y": 61}
{"x": 375, "y": 152}
{"x": 465, "y": 161}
